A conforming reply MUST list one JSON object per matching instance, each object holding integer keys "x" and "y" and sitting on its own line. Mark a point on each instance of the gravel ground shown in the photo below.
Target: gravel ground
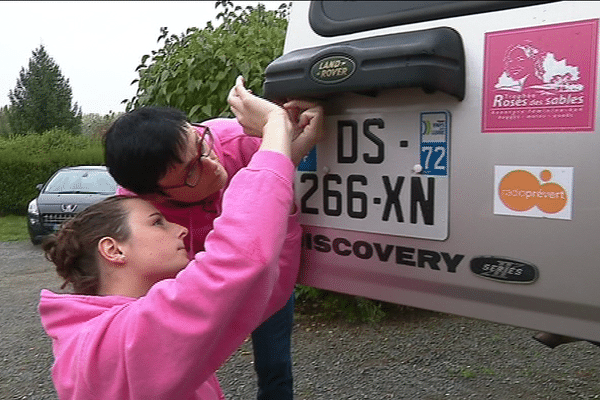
{"x": 413, "y": 354}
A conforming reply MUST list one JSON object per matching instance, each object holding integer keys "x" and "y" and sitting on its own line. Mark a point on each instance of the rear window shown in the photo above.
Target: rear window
{"x": 84, "y": 181}
{"x": 333, "y": 18}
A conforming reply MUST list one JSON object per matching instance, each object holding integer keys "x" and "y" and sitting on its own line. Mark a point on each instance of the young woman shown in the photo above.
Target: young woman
{"x": 184, "y": 170}
{"x": 147, "y": 323}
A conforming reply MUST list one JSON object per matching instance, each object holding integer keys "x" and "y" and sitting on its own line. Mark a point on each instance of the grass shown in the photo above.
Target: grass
{"x": 13, "y": 228}
{"x": 471, "y": 372}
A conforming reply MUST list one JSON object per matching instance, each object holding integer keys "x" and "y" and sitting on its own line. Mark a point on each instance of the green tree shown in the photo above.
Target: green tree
{"x": 95, "y": 125}
{"x": 5, "y": 131}
{"x": 42, "y": 98}
{"x": 195, "y": 71}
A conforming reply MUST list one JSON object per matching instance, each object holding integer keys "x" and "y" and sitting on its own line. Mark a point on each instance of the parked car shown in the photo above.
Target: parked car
{"x": 459, "y": 172}
{"x": 69, "y": 191}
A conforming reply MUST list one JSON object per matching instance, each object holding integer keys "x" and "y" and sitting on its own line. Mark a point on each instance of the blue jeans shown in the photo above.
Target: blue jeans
{"x": 272, "y": 345}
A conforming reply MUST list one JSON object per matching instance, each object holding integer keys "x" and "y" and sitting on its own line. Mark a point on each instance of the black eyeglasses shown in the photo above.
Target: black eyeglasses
{"x": 193, "y": 171}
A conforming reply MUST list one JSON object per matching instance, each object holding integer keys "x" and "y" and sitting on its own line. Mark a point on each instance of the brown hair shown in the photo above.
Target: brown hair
{"x": 73, "y": 249}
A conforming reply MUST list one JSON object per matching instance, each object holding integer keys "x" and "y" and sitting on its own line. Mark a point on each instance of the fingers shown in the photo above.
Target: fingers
{"x": 237, "y": 97}
{"x": 305, "y": 119}
{"x": 233, "y": 98}
{"x": 309, "y": 123}
{"x": 252, "y": 112}
{"x": 303, "y": 112}
{"x": 300, "y": 104}
{"x": 300, "y": 110}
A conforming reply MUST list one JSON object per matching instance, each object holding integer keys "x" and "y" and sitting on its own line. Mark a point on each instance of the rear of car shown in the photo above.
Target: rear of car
{"x": 459, "y": 172}
{"x": 69, "y": 191}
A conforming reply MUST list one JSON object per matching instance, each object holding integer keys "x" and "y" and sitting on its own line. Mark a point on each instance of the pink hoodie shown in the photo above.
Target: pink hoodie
{"x": 169, "y": 343}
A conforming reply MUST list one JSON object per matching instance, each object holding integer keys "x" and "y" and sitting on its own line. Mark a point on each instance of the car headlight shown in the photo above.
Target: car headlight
{"x": 32, "y": 208}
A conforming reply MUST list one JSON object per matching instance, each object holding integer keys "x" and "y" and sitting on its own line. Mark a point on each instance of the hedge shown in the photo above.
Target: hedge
{"x": 28, "y": 160}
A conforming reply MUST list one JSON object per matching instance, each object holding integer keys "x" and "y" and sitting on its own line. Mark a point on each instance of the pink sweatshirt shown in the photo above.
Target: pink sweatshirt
{"x": 169, "y": 343}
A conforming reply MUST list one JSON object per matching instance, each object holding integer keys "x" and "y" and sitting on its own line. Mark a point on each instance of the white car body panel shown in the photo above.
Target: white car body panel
{"x": 434, "y": 270}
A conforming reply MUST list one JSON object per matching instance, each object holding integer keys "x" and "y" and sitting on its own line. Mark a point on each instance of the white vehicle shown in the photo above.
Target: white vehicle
{"x": 460, "y": 172}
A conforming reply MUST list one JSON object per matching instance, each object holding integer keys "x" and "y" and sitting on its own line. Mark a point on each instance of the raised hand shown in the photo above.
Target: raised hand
{"x": 252, "y": 112}
{"x": 260, "y": 117}
{"x": 309, "y": 126}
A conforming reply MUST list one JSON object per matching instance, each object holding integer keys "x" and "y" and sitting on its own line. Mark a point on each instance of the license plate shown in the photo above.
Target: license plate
{"x": 383, "y": 173}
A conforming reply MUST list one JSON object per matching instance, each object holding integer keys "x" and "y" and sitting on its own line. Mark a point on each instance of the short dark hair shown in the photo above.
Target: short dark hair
{"x": 141, "y": 144}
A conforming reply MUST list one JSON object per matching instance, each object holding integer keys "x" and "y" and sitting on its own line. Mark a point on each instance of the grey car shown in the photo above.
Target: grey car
{"x": 69, "y": 191}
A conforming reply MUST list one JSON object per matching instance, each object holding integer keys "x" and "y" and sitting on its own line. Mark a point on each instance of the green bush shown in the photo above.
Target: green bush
{"x": 195, "y": 71}
{"x": 30, "y": 159}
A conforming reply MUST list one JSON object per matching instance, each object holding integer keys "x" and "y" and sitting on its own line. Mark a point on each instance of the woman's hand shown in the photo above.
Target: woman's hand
{"x": 252, "y": 112}
{"x": 303, "y": 120}
{"x": 309, "y": 126}
{"x": 260, "y": 117}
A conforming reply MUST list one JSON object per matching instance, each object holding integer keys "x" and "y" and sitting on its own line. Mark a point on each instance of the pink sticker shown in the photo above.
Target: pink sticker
{"x": 541, "y": 79}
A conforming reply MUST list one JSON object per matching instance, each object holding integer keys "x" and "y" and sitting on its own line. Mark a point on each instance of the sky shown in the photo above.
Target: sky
{"x": 96, "y": 44}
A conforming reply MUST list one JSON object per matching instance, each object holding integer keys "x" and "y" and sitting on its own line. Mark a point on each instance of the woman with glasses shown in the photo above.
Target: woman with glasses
{"x": 145, "y": 322}
{"x": 185, "y": 169}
